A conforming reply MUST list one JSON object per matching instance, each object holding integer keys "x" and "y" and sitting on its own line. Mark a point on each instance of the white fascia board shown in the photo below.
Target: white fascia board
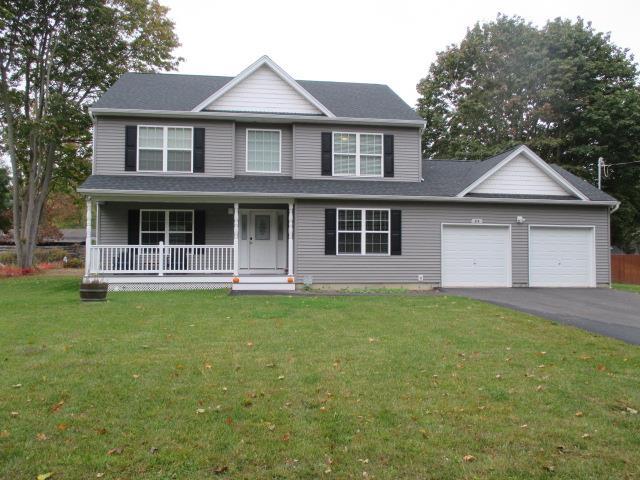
{"x": 531, "y": 155}
{"x": 253, "y": 117}
{"x": 264, "y": 60}
{"x": 186, "y": 196}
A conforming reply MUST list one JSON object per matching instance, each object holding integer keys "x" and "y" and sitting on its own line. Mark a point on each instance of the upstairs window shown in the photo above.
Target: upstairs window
{"x": 165, "y": 149}
{"x": 357, "y": 154}
{"x": 263, "y": 151}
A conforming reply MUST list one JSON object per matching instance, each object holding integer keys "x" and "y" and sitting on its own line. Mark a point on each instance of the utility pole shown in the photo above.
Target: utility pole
{"x": 600, "y": 167}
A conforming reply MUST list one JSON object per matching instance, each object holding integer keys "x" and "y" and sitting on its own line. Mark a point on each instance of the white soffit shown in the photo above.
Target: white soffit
{"x": 264, "y": 87}
{"x": 523, "y": 173}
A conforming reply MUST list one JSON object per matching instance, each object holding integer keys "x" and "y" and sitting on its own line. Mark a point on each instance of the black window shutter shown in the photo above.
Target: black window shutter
{"x": 133, "y": 234}
{"x": 130, "y": 148}
{"x": 198, "y": 150}
{"x": 326, "y": 153}
{"x": 396, "y": 232}
{"x": 388, "y": 155}
{"x": 330, "y": 231}
{"x": 199, "y": 227}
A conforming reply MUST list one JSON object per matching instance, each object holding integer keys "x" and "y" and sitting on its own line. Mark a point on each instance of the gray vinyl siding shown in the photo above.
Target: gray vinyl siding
{"x": 421, "y": 233}
{"x": 113, "y": 221}
{"x": 286, "y": 166}
{"x": 109, "y": 144}
{"x": 407, "y": 154}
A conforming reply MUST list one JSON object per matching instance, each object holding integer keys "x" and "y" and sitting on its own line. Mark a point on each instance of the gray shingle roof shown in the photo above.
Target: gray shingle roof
{"x": 443, "y": 178}
{"x": 182, "y": 93}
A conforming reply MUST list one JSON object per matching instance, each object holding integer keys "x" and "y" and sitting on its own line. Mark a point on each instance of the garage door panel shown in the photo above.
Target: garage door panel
{"x": 476, "y": 256}
{"x": 561, "y": 257}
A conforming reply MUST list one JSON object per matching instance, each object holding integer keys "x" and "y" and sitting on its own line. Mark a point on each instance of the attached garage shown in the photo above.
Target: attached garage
{"x": 476, "y": 255}
{"x": 561, "y": 256}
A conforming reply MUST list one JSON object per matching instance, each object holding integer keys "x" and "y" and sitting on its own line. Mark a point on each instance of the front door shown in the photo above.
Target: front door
{"x": 262, "y": 239}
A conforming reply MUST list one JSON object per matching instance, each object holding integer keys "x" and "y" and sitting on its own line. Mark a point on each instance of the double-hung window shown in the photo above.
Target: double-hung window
{"x": 357, "y": 154}
{"x": 165, "y": 149}
{"x": 363, "y": 231}
{"x": 263, "y": 151}
{"x": 173, "y": 227}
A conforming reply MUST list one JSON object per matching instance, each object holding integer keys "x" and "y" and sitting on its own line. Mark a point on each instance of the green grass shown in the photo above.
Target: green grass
{"x": 627, "y": 286}
{"x": 398, "y": 386}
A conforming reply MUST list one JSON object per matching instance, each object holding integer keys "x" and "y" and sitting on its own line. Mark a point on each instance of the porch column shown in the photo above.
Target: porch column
{"x": 87, "y": 246}
{"x": 290, "y": 245}
{"x": 236, "y": 262}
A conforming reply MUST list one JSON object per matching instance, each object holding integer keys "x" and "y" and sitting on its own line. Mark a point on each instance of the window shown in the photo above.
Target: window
{"x": 363, "y": 232}
{"x": 357, "y": 154}
{"x": 173, "y": 227}
{"x": 165, "y": 149}
{"x": 263, "y": 151}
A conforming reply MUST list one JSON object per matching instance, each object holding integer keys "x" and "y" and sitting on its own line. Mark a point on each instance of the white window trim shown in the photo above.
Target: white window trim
{"x": 363, "y": 232}
{"x": 357, "y": 154}
{"x": 165, "y": 149}
{"x": 246, "y": 146}
{"x": 166, "y": 224}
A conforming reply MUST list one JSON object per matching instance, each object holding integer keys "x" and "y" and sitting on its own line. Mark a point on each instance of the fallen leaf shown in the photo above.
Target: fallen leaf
{"x": 424, "y": 432}
{"x": 271, "y": 426}
{"x": 601, "y": 368}
{"x": 41, "y": 437}
{"x": 550, "y": 468}
{"x": 539, "y": 388}
{"x": 15, "y": 414}
{"x": 116, "y": 451}
{"x": 372, "y": 340}
{"x": 62, "y": 427}
{"x": 99, "y": 475}
{"x": 135, "y": 375}
{"x": 228, "y": 420}
{"x": 57, "y": 406}
{"x": 327, "y": 471}
{"x": 153, "y": 450}
{"x": 586, "y": 435}
{"x": 323, "y": 409}
{"x": 17, "y": 385}
{"x": 44, "y": 476}
{"x": 286, "y": 437}
{"x": 469, "y": 458}
{"x": 4, "y": 433}
{"x": 200, "y": 410}
{"x": 270, "y": 365}
{"x": 249, "y": 344}
{"x": 207, "y": 366}
{"x": 280, "y": 377}
{"x": 101, "y": 431}
{"x": 524, "y": 425}
{"x": 220, "y": 469}
{"x": 498, "y": 376}
{"x": 363, "y": 460}
{"x": 579, "y": 414}
{"x": 632, "y": 411}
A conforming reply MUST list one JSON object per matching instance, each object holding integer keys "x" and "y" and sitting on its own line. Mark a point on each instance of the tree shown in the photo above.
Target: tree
{"x": 564, "y": 89}
{"x": 5, "y": 200}
{"x": 56, "y": 57}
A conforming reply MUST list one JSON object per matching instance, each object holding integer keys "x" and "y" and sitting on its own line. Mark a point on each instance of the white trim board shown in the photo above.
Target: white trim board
{"x": 537, "y": 161}
{"x": 264, "y": 61}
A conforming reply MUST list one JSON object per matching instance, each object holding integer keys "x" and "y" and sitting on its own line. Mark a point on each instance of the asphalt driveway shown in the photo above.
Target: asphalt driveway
{"x": 600, "y": 310}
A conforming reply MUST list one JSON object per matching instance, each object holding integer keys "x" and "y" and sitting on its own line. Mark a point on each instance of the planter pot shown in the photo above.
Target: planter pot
{"x": 93, "y": 292}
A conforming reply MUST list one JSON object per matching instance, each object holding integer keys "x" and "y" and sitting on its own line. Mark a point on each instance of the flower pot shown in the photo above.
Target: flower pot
{"x": 93, "y": 292}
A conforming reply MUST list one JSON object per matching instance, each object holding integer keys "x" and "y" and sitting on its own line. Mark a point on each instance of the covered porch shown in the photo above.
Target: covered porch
{"x": 179, "y": 244}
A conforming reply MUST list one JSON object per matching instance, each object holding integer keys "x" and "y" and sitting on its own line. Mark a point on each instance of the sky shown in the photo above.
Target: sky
{"x": 390, "y": 42}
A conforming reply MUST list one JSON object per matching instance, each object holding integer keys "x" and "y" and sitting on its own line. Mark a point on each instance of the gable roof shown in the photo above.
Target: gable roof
{"x": 262, "y": 62}
{"x": 498, "y": 162}
{"x": 172, "y": 92}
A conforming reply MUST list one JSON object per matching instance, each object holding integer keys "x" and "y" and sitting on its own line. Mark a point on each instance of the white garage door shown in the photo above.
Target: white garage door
{"x": 561, "y": 257}
{"x": 476, "y": 256}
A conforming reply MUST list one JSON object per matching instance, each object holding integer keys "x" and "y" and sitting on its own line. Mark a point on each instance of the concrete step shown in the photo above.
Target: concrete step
{"x": 240, "y": 287}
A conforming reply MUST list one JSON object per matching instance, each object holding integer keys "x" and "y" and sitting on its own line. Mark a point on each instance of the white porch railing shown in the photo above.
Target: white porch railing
{"x": 161, "y": 259}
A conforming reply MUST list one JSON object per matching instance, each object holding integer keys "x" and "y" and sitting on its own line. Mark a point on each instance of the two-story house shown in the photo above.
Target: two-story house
{"x": 261, "y": 181}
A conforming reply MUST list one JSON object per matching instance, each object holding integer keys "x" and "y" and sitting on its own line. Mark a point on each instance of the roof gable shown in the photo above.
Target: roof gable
{"x": 264, "y": 87}
{"x": 522, "y": 172}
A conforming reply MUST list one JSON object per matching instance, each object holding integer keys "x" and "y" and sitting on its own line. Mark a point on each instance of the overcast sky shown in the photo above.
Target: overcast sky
{"x": 391, "y": 42}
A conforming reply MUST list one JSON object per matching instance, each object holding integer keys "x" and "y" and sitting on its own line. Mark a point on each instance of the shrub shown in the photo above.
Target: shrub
{"x": 74, "y": 263}
{"x": 13, "y": 271}
{"x": 8, "y": 258}
{"x": 48, "y": 255}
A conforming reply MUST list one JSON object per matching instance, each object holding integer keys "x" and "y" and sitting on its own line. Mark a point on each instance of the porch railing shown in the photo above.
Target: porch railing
{"x": 161, "y": 259}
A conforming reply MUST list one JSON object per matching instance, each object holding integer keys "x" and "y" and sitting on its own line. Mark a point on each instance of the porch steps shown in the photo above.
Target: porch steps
{"x": 263, "y": 283}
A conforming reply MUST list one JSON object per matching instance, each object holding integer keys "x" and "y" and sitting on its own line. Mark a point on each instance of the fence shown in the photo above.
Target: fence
{"x": 625, "y": 269}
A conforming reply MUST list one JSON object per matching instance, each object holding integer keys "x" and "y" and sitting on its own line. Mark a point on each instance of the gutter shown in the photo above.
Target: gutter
{"x": 254, "y": 117}
{"x": 320, "y": 196}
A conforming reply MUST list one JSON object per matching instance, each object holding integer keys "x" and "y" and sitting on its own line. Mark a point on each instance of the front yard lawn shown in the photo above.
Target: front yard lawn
{"x": 205, "y": 385}
{"x": 627, "y": 286}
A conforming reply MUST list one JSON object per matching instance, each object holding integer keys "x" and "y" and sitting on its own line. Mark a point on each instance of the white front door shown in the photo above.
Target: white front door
{"x": 476, "y": 256}
{"x": 262, "y": 239}
{"x": 561, "y": 257}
